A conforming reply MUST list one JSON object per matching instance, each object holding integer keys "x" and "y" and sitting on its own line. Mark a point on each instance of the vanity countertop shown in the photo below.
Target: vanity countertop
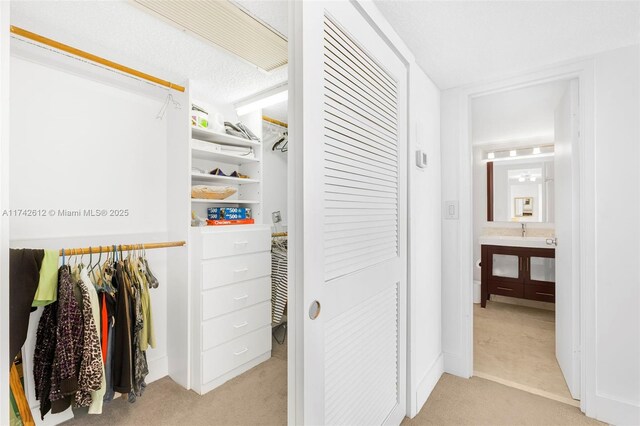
{"x": 516, "y": 241}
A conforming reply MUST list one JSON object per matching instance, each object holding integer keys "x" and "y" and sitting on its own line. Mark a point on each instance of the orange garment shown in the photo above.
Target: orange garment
{"x": 105, "y": 328}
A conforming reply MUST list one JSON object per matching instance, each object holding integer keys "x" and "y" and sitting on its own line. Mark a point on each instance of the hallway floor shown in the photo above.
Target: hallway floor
{"x": 476, "y": 401}
{"x": 259, "y": 397}
{"x": 515, "y": 345}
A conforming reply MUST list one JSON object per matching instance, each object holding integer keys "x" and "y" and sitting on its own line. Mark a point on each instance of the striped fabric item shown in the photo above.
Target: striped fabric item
{"x": 278, "y": 279}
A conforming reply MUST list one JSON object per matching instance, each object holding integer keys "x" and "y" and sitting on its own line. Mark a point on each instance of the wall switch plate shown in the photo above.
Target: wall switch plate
{"x": 451, "y": 209}
{"x": 276, "y": 217}
{"x": 421, "y": 159}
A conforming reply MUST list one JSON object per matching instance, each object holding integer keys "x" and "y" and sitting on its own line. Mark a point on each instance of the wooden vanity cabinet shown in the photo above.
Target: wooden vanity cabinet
{"x": 522, "y": 272}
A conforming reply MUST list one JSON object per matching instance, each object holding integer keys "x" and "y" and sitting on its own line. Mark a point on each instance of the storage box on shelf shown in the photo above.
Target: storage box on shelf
{"x": 231, "y": 308}
{"x": 211, "y": 150}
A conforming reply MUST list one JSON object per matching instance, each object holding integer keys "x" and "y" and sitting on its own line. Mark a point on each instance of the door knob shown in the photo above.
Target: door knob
{"x": 314, "y": 310}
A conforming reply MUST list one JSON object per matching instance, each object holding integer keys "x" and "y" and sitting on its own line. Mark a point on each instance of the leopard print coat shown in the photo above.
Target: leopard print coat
{"x": 90, "y": 376}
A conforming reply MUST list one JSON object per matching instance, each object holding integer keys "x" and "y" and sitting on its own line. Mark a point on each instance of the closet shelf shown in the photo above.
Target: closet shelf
{"x": 202, "y": 177}
{"x": 203, "y": 201}
{"x": 221, "y": 138}
{"x": 204, "y": 154}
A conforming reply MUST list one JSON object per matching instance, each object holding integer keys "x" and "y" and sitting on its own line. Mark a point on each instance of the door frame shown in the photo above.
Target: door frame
{"x": 584, "y": 72}
{"x": 296, "y": 310}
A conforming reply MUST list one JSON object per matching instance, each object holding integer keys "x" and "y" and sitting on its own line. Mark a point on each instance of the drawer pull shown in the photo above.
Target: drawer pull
{"x": 242, "y": 324}
{"x": 241, "y": 243}
{"x": 241, "y": 297}
{"x": 241, "y": 352}
{"x": 237, "y": 271}
{"x": 505, "y": 289}
{"x": 544, "y": 294}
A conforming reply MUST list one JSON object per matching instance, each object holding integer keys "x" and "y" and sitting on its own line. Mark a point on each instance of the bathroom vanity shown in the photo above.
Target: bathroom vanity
{"x": 519, "y": 267}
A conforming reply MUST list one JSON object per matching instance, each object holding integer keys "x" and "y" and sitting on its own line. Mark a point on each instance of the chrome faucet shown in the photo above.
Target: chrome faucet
{"x": 524, "y": 229}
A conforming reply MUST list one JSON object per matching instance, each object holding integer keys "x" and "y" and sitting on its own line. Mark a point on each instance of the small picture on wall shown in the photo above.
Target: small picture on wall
{"x": 523, "y": 207}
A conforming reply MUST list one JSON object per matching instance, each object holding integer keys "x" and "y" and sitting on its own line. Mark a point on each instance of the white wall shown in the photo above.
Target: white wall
{"x": 424, "y": 235}
{"x": 617, "y": 99}
{"x": 80, "y": 143}
{"x": 275, "y": 178}
{"x": 617, "y": 93}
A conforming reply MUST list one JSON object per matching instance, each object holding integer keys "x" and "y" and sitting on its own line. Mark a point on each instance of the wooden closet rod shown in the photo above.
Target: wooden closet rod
{"x": 280, "y": 234}
{"x": 274, "y": 121}
{"x": 97, "y": 59}
{"x": 121, "y": 247}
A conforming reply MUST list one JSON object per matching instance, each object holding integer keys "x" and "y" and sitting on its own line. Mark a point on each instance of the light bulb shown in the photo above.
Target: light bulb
{"x": 536, "y": 150}
{"x": 532, "y": 178}
{"x": 512, "y": 153}
{"x": 521, "y": 179}
{"x": 491, "y": 156}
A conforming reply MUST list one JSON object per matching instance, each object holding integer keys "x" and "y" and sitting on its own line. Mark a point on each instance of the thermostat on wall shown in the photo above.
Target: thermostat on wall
{"x": 421, "y": 159}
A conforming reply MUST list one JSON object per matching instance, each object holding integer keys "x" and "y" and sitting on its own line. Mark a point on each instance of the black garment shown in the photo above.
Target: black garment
{"x": 44, "y": 354}
{"x": 24, "y": 274}
{"x": 122, "y": 351}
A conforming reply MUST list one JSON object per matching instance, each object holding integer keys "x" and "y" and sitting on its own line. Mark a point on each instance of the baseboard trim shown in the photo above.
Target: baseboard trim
{"x": 614, "y": 411}
{"x": 528, "y": 389}
{"x": 455, "y": 364}
{"x": 428, "y": 382}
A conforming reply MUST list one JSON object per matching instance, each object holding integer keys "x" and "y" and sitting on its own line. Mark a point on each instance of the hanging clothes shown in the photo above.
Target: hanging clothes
{"x": 122, "y": 355}
{"x": 140, "y": 366}
{"x": 24, "y": 275}
{"x": 69, "y": 341}
{"x": 47, "y": 291}
{"x": 91, "y": 340}
{"x": 43, "y": 356}
{"x": 279, "y": 279}
{"x": 92, "y": 365}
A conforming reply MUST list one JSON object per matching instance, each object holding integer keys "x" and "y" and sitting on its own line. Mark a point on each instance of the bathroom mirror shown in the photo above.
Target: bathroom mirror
{"x": 520, "y": 191}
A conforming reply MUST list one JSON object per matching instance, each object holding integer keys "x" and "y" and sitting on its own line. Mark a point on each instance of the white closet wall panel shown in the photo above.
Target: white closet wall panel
{"x": 357, "y": 343}
{"x": 361, "y": 157}
{"x": 78, "y": 143}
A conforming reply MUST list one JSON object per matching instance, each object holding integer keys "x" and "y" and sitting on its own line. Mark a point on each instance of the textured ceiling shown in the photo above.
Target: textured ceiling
{"x": 462, "y": 42}
{"x": 526, "y": 113}
{"x": 121, "y": 32}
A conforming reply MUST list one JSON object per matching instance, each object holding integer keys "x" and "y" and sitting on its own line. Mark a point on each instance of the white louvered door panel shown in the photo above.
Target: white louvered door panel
{"x": 354, "y": 164}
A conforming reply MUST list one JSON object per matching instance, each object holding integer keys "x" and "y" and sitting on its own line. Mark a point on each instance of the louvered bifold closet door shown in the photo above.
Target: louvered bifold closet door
{"x": 361, "y": 158}
{"x": 361, "y": 232}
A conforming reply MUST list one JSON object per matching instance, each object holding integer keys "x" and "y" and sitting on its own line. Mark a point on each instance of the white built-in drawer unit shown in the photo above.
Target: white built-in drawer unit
{"x": 233, "y": 269}
{"x": 231, "y": 355}
{"x": 232, "y": 242}
{"x": 231, "y": 301}
{"x": 228, "y": 327}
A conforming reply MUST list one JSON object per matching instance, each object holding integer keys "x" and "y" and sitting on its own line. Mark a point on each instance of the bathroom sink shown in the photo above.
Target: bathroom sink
{"x": 514, "y": 241}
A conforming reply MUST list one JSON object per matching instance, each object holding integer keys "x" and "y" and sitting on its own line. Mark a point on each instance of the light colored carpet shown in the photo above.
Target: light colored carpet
{"x": 257, "y": 397}
{"x": 475, "y": 401}
{"x": 517, "y": 344}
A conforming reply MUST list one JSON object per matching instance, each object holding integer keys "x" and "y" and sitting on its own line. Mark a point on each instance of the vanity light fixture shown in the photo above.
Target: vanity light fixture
{"x": 520, "y": 153}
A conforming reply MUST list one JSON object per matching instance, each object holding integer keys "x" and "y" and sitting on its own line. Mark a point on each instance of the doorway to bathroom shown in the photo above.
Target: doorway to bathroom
{"x": 525, "y": 226}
